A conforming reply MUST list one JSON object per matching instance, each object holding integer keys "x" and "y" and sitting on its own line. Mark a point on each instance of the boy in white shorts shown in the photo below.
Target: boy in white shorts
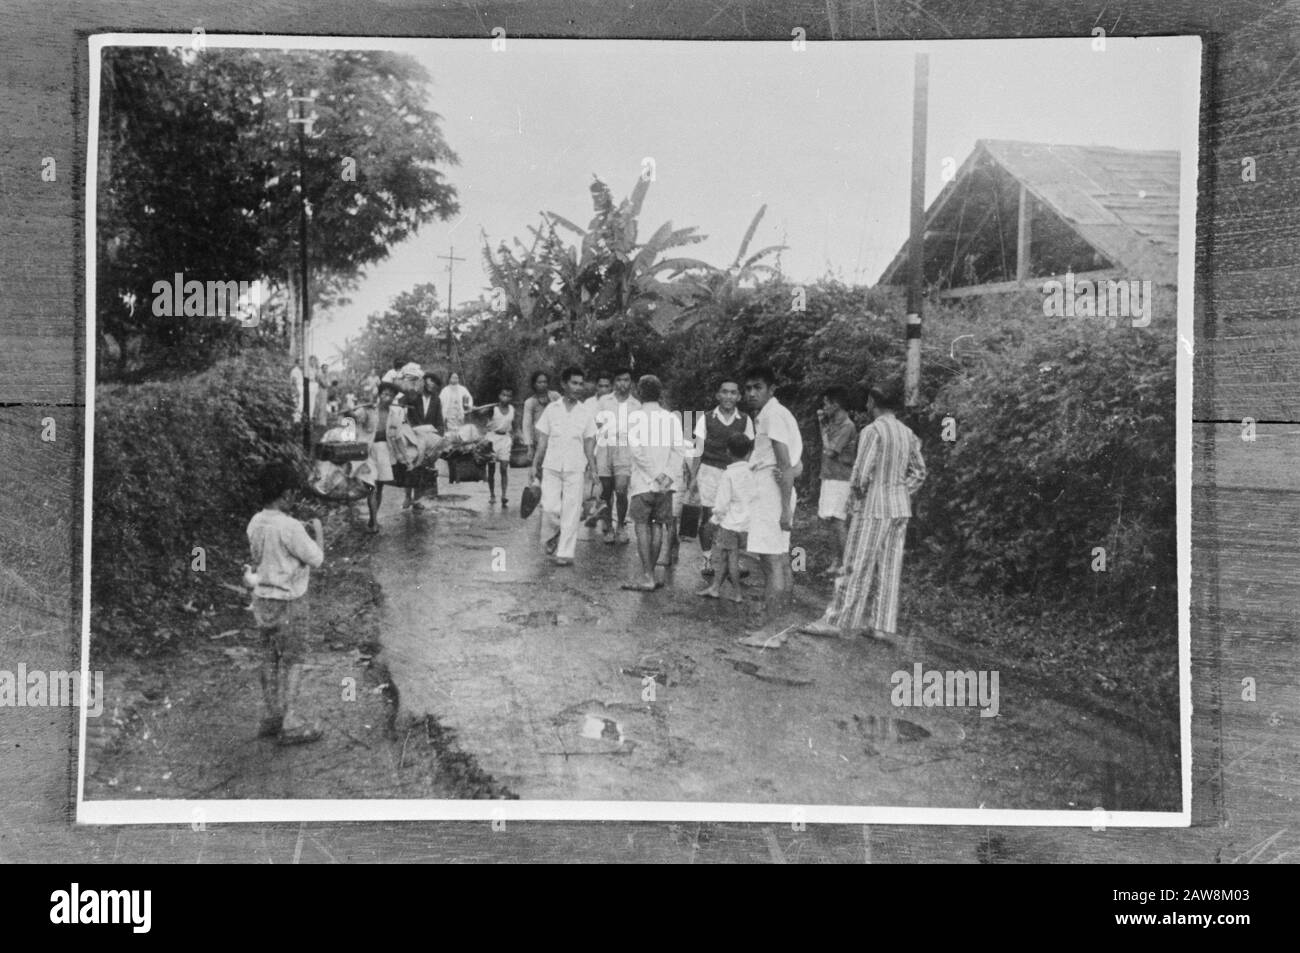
{"x": 839, "y": 452}
{"x": 731, "y": 504}
{"x": 501, "y": 432}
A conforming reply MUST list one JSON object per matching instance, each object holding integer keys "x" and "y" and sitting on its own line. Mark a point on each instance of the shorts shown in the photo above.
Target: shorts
{"x": 765, "y": 534}
{"x": 652, "y": 507}
{"x": 726, "y": 540}
{"x": 834, "y": 501}
{"x": 378, "y": 468}
{"x": 707, "y": 480}
{"x": 613, "y": 461}
{"x": 283, "y": 624}
{"x": 501, "y": 444}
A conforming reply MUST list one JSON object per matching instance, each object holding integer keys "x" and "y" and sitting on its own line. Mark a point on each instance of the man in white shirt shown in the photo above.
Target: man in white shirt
{"x": 614, "y": 462}
{"x": 565, "y": 458}
{"x": 656, "y": 446}
{"x": 775, "y": 462}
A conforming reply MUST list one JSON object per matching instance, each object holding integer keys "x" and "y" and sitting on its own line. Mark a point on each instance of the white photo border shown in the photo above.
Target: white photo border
{"x": 193, "y": 812}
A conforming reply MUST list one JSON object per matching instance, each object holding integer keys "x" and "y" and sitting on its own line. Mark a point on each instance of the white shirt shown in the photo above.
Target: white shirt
{"x": 565, "y": 430}
{"x": 502, "y": 423}
{"x": 735, "y": 492}
{"x": 654, "y": 436}
{"x": 453, "y": 399}
{"x": 775, "y": 422}
{"x": 612, "y": 418}
{"x": 390, "y": 375}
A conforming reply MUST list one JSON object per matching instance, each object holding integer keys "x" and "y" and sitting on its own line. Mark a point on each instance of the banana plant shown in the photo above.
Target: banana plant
{"x": 721, "y": 292}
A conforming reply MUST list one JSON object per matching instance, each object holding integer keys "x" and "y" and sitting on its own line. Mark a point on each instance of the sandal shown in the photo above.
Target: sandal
{"x": 305, "y": 734}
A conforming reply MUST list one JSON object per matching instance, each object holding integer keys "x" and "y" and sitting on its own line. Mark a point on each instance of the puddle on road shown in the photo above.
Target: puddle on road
{"x": 602, "y": 729}
{"x": 599, "y": 728}
{"x": 532, "y": 619}
{"x": 641, "y": 672}
{"x": 749, "y": 668}
{"x": 886, "y": 728}
{"x": 544, "y": 617}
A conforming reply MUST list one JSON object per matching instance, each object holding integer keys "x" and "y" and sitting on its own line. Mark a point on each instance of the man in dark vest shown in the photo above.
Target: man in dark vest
{"x": 710, "y": 458}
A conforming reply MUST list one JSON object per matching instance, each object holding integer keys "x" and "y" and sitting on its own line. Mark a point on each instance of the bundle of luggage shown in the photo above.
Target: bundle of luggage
{"x": 337, "y": 472}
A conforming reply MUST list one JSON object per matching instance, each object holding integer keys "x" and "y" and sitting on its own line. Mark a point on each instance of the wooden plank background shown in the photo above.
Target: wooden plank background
{"x": 1245, "y": 503}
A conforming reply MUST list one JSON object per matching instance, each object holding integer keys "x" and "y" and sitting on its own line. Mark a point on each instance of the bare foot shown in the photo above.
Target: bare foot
{"x": 709, "y": 593}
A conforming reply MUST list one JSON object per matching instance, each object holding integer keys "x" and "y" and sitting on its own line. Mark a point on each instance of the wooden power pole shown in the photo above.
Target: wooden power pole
{"x": 916, "y": 243}
{"x": 451, "y": 260}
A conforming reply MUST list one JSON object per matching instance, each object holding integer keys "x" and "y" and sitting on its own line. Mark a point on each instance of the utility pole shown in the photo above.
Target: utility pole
{"x": 451, "y": 260}
{"x": 303, "y": 121}
{"x": 916, "y": 243}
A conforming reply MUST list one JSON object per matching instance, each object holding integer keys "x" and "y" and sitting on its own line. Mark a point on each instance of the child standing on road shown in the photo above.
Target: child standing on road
{"x": 501, "y": 433}
{"x": 283, "y": 557}
{"x": 731, "y": 507}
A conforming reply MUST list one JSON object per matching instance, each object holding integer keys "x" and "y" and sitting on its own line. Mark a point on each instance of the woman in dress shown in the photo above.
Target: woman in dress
{"x": 456, "y": 403}
{"x": 533, "y": 407}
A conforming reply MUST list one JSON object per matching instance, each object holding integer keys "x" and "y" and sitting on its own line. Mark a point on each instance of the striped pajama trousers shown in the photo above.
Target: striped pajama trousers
{"x": 872, "y": 553}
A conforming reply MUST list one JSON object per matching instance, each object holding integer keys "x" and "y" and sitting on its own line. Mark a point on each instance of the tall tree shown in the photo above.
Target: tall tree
{"x": 406, "y": 331}
{"x": 199, "y": 175}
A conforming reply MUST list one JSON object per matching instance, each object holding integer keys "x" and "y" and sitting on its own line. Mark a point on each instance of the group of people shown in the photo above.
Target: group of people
{"x": 620, "y": 453}
{"x": 414, "y": 421}
{"x": 614, "y": 453}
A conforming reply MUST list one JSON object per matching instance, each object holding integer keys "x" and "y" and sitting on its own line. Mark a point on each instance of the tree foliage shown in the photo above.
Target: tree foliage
{"x": 198, "y": 176}
{"x": 405, "y": 331}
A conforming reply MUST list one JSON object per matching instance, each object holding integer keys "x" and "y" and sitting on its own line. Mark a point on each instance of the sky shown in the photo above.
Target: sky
{"x": 822, "y": 137}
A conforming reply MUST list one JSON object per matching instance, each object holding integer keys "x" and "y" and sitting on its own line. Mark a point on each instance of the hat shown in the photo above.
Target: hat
{"x": 412, "y": 370}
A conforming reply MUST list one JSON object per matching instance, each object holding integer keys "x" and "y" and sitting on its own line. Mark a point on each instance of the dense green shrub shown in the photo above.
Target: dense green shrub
{"x": 1065, "y": 442}
{"x": 175, "y": 467}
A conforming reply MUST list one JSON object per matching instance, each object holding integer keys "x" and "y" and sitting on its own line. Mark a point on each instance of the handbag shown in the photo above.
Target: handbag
{"x": 532, "y": 495}
{"x": 689, "y": 525}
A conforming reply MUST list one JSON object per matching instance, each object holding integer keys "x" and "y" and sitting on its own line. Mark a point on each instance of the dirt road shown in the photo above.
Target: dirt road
{"x": 564, "y": 686}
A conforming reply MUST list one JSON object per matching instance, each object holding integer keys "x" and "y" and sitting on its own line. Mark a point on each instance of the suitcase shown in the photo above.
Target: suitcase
{"x": 347, "y": 452}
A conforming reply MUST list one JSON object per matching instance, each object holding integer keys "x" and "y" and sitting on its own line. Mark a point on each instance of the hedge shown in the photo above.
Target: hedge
{"x": 175, "y": 468}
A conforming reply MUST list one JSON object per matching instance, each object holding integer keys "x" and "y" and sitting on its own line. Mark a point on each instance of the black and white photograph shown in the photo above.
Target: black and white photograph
{"x": 611, "y": 429}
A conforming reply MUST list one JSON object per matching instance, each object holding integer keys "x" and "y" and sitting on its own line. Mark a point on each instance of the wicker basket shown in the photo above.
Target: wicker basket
{"x": 464, "y": 468}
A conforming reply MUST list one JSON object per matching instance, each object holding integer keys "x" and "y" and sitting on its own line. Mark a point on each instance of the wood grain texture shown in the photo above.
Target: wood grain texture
{"x": 1245, "y": 505}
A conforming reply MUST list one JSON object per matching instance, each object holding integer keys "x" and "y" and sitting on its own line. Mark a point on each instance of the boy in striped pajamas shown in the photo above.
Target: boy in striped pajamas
{"x": 888, "y": 472}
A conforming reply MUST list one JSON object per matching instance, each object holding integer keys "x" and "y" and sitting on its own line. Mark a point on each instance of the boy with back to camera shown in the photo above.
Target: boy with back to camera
{"x": 283, "y": 557}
